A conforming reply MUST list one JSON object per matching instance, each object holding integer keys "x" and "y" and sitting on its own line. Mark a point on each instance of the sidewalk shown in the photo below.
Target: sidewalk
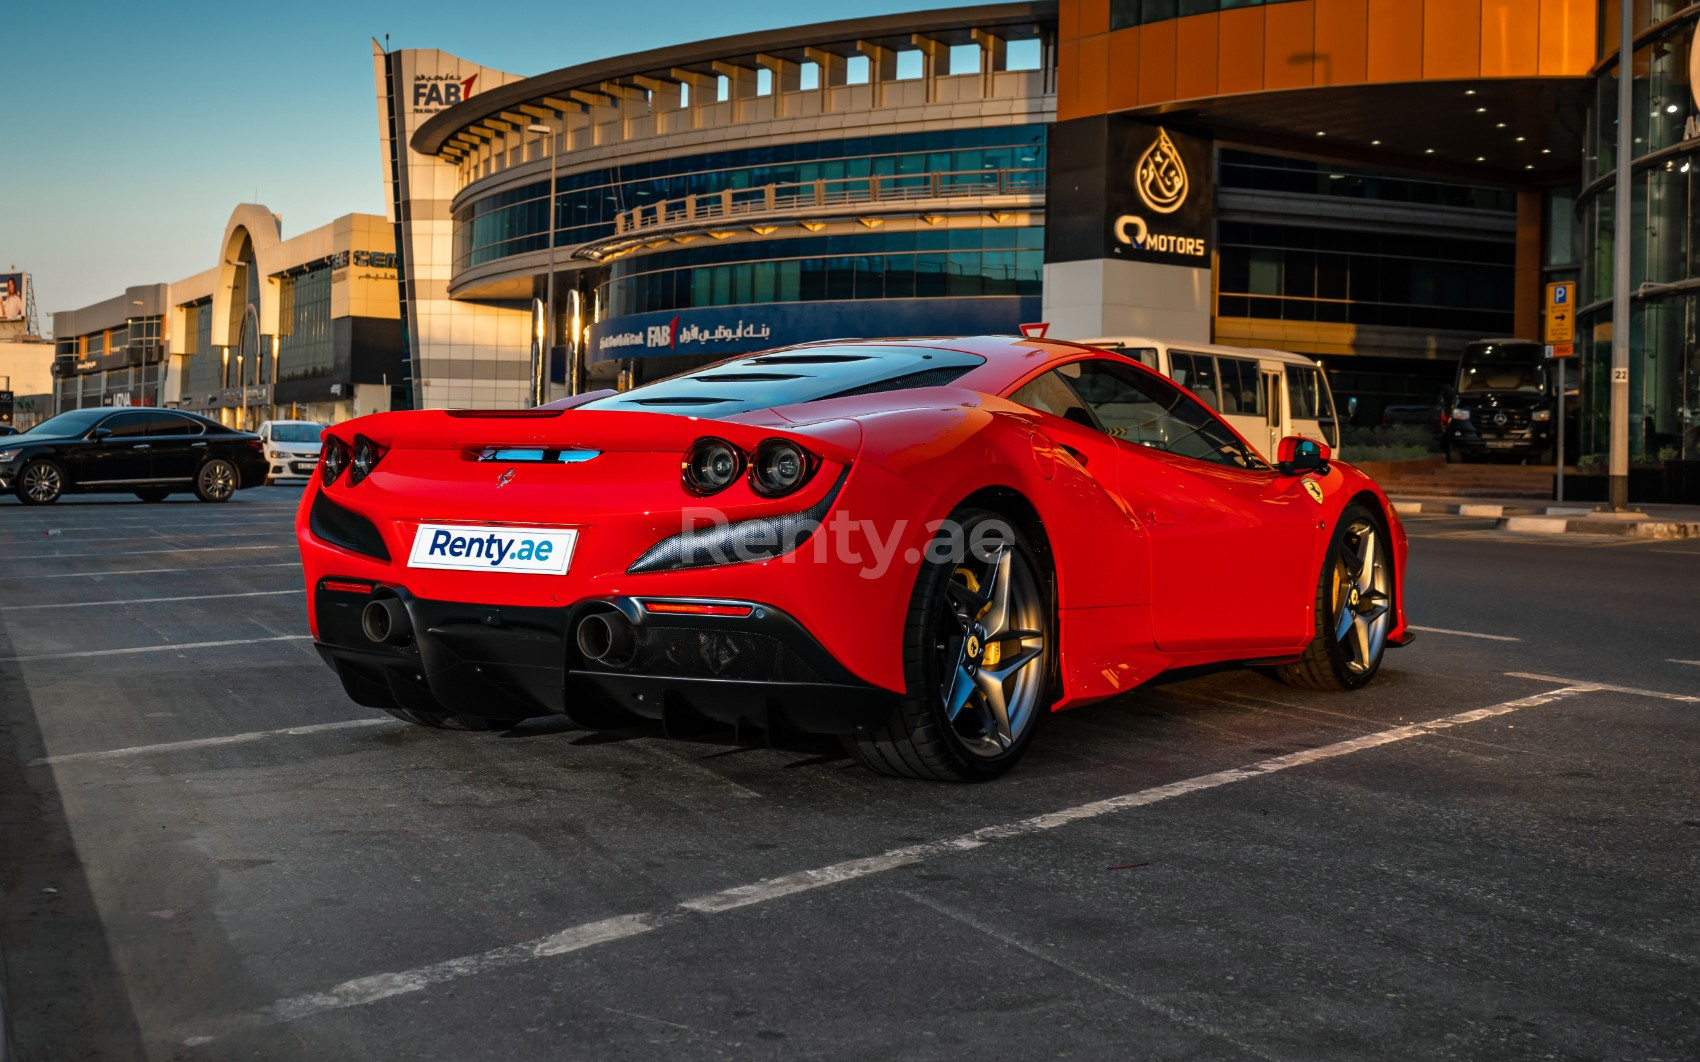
{"x": 1538, "y": 517}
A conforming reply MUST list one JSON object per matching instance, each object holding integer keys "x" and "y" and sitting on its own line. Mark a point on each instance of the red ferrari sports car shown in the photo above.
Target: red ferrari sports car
{"x": 920, "y": 546}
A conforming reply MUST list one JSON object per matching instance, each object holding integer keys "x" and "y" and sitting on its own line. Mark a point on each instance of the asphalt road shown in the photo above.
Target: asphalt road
{"x": 1219, "y": 867}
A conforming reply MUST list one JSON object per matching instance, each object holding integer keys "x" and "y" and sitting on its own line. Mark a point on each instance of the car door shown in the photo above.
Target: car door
{"x": 121, "y": 455}
{"x": 1232, "y": 542}
{"x": 179, "y": 446}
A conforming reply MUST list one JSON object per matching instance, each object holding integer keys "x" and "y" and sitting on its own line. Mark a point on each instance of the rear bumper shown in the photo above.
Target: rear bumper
{"x": 761, "y": 670}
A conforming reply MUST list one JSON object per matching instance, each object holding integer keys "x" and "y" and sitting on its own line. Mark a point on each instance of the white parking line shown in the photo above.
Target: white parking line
{"x": 154, "y": 534}
{"x": 1587, "y": 686}
{"x": 202, "y": 743}
{"x": 151, "y": 600}
{"x": 1690, "y": 663}
{"x": 363, "y": 990}
{"x": 161, "y": 648}
{"x": 1465, "y": 634}
{"x": 150, "y": 571}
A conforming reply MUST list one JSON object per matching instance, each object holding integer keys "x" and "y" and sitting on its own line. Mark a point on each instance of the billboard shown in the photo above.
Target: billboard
{"x": 14, "y": 295}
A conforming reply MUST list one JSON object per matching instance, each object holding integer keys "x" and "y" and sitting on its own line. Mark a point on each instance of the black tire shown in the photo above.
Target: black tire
{"x": 452, "y": 721}
{"x": 1454, "y": 456}
{"x": 152, "y": 494}
{"x": 217, "y": 481}
{"x": 1329, "y": 662}
{"x": 919, "y": 739}
{"x": 41, "y": 482}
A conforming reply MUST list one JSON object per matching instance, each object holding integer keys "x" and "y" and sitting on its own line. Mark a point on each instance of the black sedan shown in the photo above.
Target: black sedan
{"x": 147, "y": 452}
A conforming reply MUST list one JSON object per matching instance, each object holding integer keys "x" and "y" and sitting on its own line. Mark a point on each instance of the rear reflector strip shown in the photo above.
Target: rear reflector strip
{"x": 342, "y": 586}
{"x": 695, "y": 608}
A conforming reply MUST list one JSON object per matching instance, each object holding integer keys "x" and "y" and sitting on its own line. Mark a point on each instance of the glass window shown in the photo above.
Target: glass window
{"x": 1196, "y": 373}
{"x": 1241, "y": 383}
{"x": 127, "y": 425}
{"x": 175, "y": 424}
{"x": 1143, "y": 408}
{"x": 1049, "y": 394}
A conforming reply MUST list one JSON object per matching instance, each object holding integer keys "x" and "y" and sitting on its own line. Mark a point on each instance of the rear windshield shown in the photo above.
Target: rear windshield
{"x": 790, "y": 377}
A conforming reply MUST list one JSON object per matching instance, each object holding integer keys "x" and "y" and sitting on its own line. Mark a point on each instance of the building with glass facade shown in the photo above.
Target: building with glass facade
{"x": 307, "y": 328}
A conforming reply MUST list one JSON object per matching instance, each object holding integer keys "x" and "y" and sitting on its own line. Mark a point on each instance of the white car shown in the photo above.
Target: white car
{"x": 292, "y": 448}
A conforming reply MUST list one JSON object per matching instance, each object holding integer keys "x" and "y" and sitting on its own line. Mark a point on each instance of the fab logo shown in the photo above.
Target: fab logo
{"x": 461, "y": 547}
{"x": 441, "y": 90}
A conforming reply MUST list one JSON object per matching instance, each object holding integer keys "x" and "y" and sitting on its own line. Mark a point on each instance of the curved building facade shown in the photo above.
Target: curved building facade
{"x": 712, "y": 198}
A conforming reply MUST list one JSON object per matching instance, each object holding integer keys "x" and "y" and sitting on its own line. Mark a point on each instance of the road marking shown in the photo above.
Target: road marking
{"x": 1464, "y": 634}
{"x": 1587, "y": 686}
{"x": 161, "y": 648}
{"x": 1690, "y": 663}
{"x": 152, "y": 600}
{"x": 1185, "y": 1020}
{"x": 363, "y": 990}
{"x": 153, "y": 571}
{"x": 143, "y": 552}
{"x": 203, "y": 743}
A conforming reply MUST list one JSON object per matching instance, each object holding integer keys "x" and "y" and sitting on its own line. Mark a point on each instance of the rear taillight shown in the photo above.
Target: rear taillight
{"x": 335, "y": 459}
{"x": 711, "y": 465}
{"x": 780, "y": 467}
{"x": 367, "y": 454}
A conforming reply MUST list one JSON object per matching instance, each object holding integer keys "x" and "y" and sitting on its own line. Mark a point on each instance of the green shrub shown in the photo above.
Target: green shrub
{"x": 1359, "y": 454}
{"x": 1399, "y": 436}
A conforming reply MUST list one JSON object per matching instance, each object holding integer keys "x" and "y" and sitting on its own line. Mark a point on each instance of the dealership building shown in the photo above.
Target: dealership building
{"x": 1371, "y": 182}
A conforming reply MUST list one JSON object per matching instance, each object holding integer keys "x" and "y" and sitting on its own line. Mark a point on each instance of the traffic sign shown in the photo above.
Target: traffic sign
{"x": 1561, "y": 319}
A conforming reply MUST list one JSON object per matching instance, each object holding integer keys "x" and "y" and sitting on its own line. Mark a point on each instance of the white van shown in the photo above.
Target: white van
{"x": 1265, "y": 394}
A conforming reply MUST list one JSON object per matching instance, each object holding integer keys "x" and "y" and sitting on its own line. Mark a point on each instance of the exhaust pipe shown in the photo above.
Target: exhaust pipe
{"x": 385, "y": 620}
{"x": 606, "y": 637}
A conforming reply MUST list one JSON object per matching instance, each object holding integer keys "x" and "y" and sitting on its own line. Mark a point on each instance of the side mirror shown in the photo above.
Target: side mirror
{"x": 100, "y": 433}
{"x": 1297, "y": 455}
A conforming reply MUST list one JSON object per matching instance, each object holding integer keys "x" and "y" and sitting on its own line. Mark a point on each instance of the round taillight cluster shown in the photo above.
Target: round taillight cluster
{"x": 777, "y": 468}
{"x": 335, "y": 459}
{"x": 359, "y": 459}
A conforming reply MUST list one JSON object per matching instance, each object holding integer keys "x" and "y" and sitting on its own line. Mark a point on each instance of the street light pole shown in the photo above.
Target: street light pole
{"x": 540, "y": 382}
{"x": 1617, "y": 482}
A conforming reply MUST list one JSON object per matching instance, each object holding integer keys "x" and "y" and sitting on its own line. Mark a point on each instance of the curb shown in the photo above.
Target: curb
{"x": 1416, "y": 506}
{"x": 1645, "y": 528}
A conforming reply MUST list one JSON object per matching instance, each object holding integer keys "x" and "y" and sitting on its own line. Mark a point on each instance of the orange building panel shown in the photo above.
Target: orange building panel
{"x": 1092, "y": 89}
{"x": 1094, "y": 17}
{"x": 1289, "y": 44}
{"x": 1124, "y": 68}
{"x": 1342, "y": 42}
{"x": 1068, "y": 81}
{"x": 1157, "y": 62}
{"x": 1195, "y": 42}
{"x": 1452, "y": 39}
{"x": 1395, "y": 40}
{"x": 1511, "y": 36}
{"x": 1239, "y": 50}
{"x": 1567, "y": 37}
{"x": 1068, "y": 20}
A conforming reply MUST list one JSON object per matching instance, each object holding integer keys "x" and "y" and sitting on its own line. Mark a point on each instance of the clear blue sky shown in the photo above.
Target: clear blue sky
{"x": 133, "y": 129}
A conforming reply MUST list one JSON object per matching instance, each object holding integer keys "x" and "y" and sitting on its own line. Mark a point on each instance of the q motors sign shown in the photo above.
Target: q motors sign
{"x": 1159, "y": 200}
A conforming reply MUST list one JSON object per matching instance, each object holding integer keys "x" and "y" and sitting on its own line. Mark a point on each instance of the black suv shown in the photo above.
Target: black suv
{"x": 146, "y": 452}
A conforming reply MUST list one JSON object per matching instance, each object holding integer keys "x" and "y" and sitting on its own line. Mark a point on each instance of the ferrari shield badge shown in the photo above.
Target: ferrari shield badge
{"x": 1313, "y": 490}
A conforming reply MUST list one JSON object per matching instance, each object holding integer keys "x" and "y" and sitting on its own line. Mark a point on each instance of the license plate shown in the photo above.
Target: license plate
{"x": 302, "y": 467}
{"x": 1501, "y": 442}
{"x": 474, "y": 548}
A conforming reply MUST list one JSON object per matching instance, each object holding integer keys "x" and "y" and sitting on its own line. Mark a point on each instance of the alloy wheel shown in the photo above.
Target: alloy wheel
{"x": 1362, "y": 602}
{"x": 218, "y": 480}
{"x": 991, "y": 650}
{"x": 42, "y": 482}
